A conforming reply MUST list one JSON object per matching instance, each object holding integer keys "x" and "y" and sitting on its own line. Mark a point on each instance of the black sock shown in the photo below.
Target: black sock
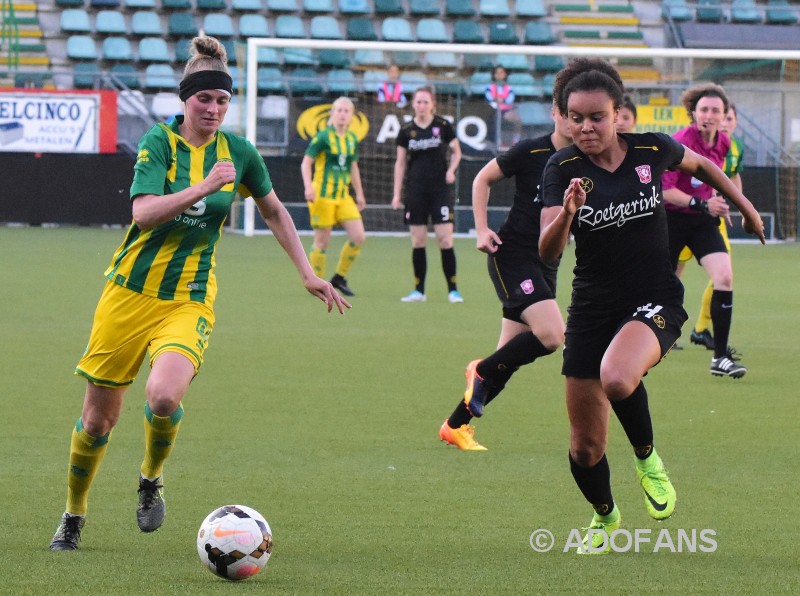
{"x": 498, "y": 384}
{"x": 520, "y": 350}
{"x": 595, "y": 484}
{"x": 449, "y": 267}
{"x": 459, "y": 416}
{"x": 634, "y": 416}
{"x": 721, "y": 315}
{"x": 420, "y": 262}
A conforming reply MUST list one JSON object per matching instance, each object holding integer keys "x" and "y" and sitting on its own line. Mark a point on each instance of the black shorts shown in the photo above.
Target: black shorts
{"x": 589, "y": 333}
{"x": 520, "y": 280}
{"x": 700, "y": 232}
{"x": 429, "y": 205}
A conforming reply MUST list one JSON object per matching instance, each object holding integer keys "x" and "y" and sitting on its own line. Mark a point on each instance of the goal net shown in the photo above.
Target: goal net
{"x": 287, "y": 86}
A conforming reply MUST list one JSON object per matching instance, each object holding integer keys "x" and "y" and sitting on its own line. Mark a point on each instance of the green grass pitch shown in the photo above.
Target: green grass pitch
{"x": 328, "y": 426}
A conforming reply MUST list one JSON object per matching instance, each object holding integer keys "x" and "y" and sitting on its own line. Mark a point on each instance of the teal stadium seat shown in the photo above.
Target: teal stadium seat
{"x": 181, "y": 24}
{"x": 69, "y": 3}
{"x": 478, "y": 61}
{"x": 548, "y": 81}
{"x": 154, "y": 49}
{"x": 75, "y": 20}
{"x": 677, "y": 10}
{"x": 413, "y": 80}
{"x": 513, "y": 62}
{"x": 539, "y": 33}
{"x": 269, "y": 79}
{"x": 140, "y": 4}
{"x": 353, "y": 7}
{"x": 531, "y": 8}
{"x": 363, "y": 57}
{"x": 298, "y": 57}
{"x": 334, "y": 58}
{"x": 176, "y": 5}
{"x": 406, "y": 59}
{"x": 548, "y": 63}
{"x": 211, "y": 5}
{"x": 86, "y": 75}
{"x": 325, "y": 27}
{"x": 341, "y": 81}
{"x": 502, "y": 32}
{"x": 384, "y": 7}
{"x": 422, "y": 7}
{"x": 432, "y": 30}
{"x": 268, "y": 56}
{"x": 745, "y": 11}
{"x": 247, "y": 5}
{"x": 117, "y": 49}
{"x": 146, "y": 22}
{"x": 253, "y": 25}
{"x": 231, "y": 45}
{"x": 305, "y": 82}
{"x": 446, "y": 60}
{"x": 182, "y": 47}
{"x": 709, "y": 11}
{"x": 467, "y": 31}
{"x": 478, "y": 81}
{"x": 283, "y": 5}
{"x": 524, "y": 85}
{"x": 290, "y": 26}
{"x": 373, "y": 79}
{"x": 159, "y": 77}
{"x": 534, "y": 113}
{"x": 459, "y": 8}
{"x": 110, "y": 22}
{"x": 494, "y": 8}
{"x": 396, "y": 29}
{"x": 361, "y": 29}
{"x": 219, "y": 25}
{"x": 321, "y": 6}
{"x": 99, "y": 4}
{"x": 780, "y": 12}
{"x": 81, "y": 47}
{"x": 126, "y": 74}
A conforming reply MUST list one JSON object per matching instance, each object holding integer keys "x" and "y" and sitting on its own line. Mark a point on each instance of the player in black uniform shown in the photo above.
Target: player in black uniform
{"x": 423, "y": 168}
{"x": 626, "y": 309}
{"x": 532, "y": 325}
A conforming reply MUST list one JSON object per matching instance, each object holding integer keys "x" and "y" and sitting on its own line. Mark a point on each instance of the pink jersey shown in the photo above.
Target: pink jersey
{"x": 690, "y": 137}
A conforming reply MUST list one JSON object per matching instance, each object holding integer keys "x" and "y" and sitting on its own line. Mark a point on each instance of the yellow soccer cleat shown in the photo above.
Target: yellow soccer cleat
{"x": 463, "y": 437}
{"x": 659, "y": 494}
{"x": 603, "y": 526}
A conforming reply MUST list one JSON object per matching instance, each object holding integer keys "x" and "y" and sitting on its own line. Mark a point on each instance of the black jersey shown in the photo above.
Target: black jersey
{"x": 427, "y": 153}
{"x": 621, "y": 239}
{"x": 525, "y": 162}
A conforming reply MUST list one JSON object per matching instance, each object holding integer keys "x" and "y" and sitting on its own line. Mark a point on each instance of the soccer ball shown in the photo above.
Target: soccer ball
{"x": 234, "y": 542}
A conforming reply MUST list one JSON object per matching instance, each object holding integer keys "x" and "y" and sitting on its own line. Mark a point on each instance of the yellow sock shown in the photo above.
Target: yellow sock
{"x": 318, "y": 260}
{"x": 85, "y": 456}
{"x": 349, "y": 254}
{"x": 159, "y": 438}
{"x": 704, "y": 318}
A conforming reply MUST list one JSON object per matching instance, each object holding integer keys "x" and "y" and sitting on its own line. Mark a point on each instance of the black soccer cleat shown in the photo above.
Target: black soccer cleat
{"x": 152, "y": 509}
{"x": 68, "y": 533}
{"x": 724, "y": 366}
{"x": 703, "y": 338}
{"x": 340, "y": 283}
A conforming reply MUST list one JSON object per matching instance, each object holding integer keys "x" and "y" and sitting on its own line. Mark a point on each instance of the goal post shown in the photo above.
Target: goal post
{"x": 767, "y": 99}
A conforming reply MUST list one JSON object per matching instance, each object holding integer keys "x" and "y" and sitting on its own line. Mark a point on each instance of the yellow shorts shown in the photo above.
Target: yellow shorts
{"x": 686, "y": 254}
{"x": 326, "y": 213}
{"x": 127, "y": 325}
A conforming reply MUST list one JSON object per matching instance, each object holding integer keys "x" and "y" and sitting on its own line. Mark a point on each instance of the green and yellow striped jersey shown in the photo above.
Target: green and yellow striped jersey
{"x": 333, "y": 158}
{"x": 733, "y": 161}
{"x": 175, "y": 260}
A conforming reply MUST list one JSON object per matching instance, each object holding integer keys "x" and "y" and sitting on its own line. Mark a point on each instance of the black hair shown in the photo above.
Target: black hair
{"x": 587, "y": 74}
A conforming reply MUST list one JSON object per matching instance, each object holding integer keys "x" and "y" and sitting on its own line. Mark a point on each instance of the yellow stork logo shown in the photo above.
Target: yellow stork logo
{"x": 315, "y": 119}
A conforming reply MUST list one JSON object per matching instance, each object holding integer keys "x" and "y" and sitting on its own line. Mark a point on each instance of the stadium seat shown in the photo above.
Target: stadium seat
{"x": 110, "y": 22}
{"x": 269, "y": 79}
{"x": 502, "y": 32}
{"x": 348, "y": 7}
{"x": 709, "y": 11}
{"x": 524, "y": 85}
{"x": 388, "y": 7}
{"x": 231, "y": 46}
{"x": 396, "y": 29}
{"x": 81, "y": 47}
{"x": 478, "y": 81}
{"x": 745, "y": 11}
{"x": 423, "y": 7}
{"x": 467, "y": 31}
{"x": 146, "y": 22}
{"x": 126, "y": 74}
{"x": 677, "y": 10}
{"x": 432, "y": 30}
{"x": 459, "y": 8}
{"x": 182, "y": 47}
{"x": 166, "y": 104}
{"x": 218, "y": 25}
{"x": 539, "y": 33}
{"x": 104, "y": 3}
{"x": 478, "y": 61}
{"x": 140, "y": 4}
{"x": 87, "y": 75}
{"x": 548, "y": 63}
{"x": 304, "y": 81}
{"x": 176, "y": 4}
{"x": 341, "y": 81}
{"x": 237, "y": 78}
{"x": 247, "y": 5}
{"x": 117, "y": 49}
{"x": 75, "y": 20}
{"x": 283, "y": 5}
{"x": 373, "y": 79}
{"x": 325, "y": 27}
{"x": 494, "y": 8}
{"x": 211, "y": 5}
{"x": 413, "y": 80}
{"x": 779, "y": 12}
{"x": 154, "y": 49}
{"x": 335, "y": 58}
{"x": 406, "y": 59}
{"x": 369, "y": 58}
{"x": 69, "y": 3}
{"x": 361, "y": 29}
{"x": 531, "y": 8}
{"x": 514, "y": 62}
{"x": 253, "y": 25}
{"x": 548, "y": 81}
{"x": 181, "y": 24}
{"x": 290, "y": 26}
{"x": 268, "y": 56}
{"x": 534, "y": 113}
{"x": 314, "y": 6}
{"x": 298, "y": 57}
{"x": 159, "y": 76}
{"x": 441, "y": 60}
